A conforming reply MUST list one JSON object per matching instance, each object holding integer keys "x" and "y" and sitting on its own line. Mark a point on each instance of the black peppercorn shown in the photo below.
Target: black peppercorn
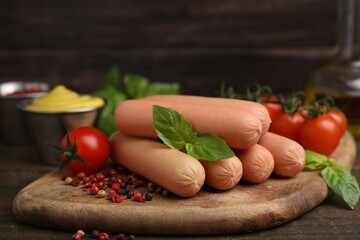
{"x": 95, "y": 234}
{"x": 165, "y": 193}
{"x": 129, "y": 195}
{"x": 148, "y": 196}
{"x": 122, "y": 192}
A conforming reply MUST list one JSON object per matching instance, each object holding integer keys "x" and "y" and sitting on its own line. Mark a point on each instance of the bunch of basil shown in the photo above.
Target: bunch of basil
{"x": 131, "y": 86}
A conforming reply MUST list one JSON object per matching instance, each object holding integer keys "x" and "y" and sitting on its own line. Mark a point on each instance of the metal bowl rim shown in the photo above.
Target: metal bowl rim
{"x": 24, "y": 96}
{"x": 22, "y": 106}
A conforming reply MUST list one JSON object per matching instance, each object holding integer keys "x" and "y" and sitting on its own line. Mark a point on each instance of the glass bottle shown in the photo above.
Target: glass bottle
{"x": 340, "y": 78}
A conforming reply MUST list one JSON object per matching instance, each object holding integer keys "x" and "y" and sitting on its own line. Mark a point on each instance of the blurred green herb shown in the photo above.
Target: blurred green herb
{"x": 115, "y": 89}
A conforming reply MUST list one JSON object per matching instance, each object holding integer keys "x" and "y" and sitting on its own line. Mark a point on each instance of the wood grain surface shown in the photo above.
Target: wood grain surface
{"x": 47, "y": 202}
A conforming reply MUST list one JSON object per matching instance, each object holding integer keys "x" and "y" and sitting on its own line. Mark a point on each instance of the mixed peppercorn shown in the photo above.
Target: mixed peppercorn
{"x": 96, "y": 234}
{"x": 115, "y": 185}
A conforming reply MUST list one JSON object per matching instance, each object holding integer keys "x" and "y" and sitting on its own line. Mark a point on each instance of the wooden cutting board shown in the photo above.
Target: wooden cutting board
{"x": 48, "y": 202}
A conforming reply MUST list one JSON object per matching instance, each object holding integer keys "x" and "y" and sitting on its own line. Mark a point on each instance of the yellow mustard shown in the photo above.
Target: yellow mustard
{"x": 62, "y": 99}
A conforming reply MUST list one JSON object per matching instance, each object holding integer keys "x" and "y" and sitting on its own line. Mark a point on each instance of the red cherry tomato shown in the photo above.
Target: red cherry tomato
{"x": 321, "y": 134}
{"x": 288, "y": 125}
{"x": 271, "y": 103}
{"x": 340, "y": 118}
{"x": 274, "y": 109}
{"x": 269, "y": 98}
{"x": 92, "y": 145}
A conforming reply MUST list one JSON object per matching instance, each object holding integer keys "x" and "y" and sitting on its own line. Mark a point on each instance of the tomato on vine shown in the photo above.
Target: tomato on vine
{"x": 330, "y": 107}
{"x": 320, "y": 134}
{"x": 321, "y": 131}
{"x": 271, "y": 103}
{"x": 265, "y": 96}
{"x": 84, "y": 149}
{"x": 289, "y": 121}
{"x": 288, "y": 124}
{"x": 340, "y": 118}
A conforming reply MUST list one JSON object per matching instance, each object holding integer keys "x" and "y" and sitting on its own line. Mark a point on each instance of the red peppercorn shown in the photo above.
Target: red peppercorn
{"x": 119, "y": 168}
{"x": 116, "y": 198}
{"x": 131, "y": 189}
{"x": 86, "y": 185}
{"x": 75, "y": 183}
{"x": 86, "y": 179}
{"x": 100, "y": 176}
{"x": 158, "y": 190}
{"x": 131, "y": 176}
{"x": 138, "y": 196}
{"x": 100, "y": 185}
{"x": 103, "y": 236}
{"x": 111, "y": 194}
{"x": 112, "y": 172}
{"x": 80, "y": 175}
{"x": 76, "y": 236}
{"x": 94, "y": 190}
{"x": 120, "y": 236}
{"x": 115, "y": 187}
{"x": 140, "y": 182}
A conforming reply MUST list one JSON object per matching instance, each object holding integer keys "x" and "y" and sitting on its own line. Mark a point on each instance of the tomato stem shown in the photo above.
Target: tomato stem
{"x": 293, "y": 102}
{"x": 69, "y": 153}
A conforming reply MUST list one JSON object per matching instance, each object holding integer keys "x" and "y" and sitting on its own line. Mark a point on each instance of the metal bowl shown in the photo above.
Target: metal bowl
{"x": 47, "y": 128}
{"x": 12, "y": 125}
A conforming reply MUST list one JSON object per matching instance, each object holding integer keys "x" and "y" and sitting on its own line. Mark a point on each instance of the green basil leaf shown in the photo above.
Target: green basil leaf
{"x": 176, "y": 132}
{"x": 135, "y": 85}
{"x": 156, "y": 88}
{"x": 172, "y": 128}
{"x": 111, "y": 78}
{"x": 316, "y": 160}
{"x": 106, "y": 121}
{"x": 209, "y": 147}
{"x": 343, "y": 183}
{"x": 112, "y": 93}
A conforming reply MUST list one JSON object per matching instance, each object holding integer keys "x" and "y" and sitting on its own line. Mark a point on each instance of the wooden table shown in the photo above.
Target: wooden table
{"x": 19, "y": 167}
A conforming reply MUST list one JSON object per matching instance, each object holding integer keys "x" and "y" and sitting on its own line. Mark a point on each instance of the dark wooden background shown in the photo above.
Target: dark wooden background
{"x": 196, "y": 43}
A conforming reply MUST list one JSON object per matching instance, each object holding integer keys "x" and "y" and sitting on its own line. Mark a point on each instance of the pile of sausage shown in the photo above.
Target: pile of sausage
{"x": 242, "y": 124}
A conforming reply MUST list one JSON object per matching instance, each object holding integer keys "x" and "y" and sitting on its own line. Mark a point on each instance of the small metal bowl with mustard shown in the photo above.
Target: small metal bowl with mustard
{"x": 49, "y": 117}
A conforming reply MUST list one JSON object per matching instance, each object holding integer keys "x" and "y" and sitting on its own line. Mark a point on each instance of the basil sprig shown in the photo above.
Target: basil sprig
{"x": 337, "y": 177}
{"x": 177, "y": 133}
